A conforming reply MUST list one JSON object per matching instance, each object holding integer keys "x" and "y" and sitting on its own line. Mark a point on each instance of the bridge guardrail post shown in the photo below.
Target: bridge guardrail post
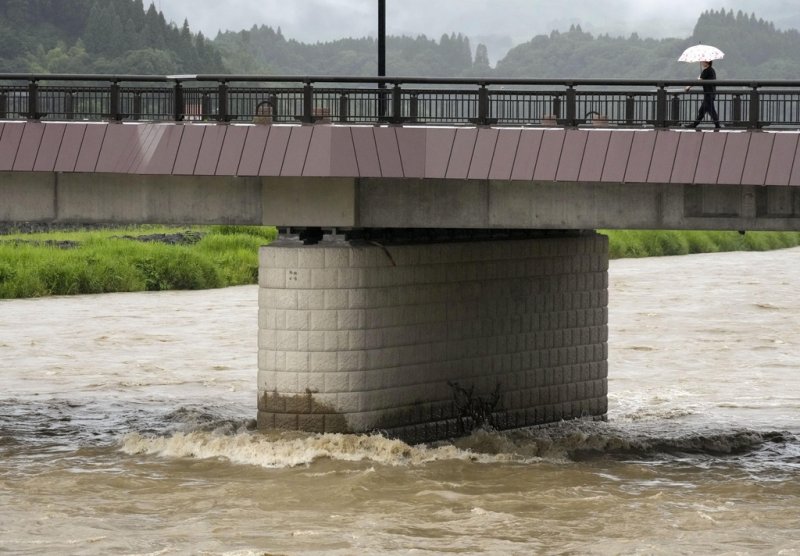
{"x": 137, "y": 106}
{"x": 3, "y": 105}
{"x": 222, "y": 102}
{"x": 344, "y": 108}
{"x": 736, "y": 116}
{"x": 179, "y": 106}
{"x": 33, "y": 101}
{"x": 674, "y": 110}
{"x": 114, "y": 102}
{"x": 661, "y": 106}
{"x": 630, "y": 109}
{"x": 69, "y": 106}
{"x": 557, "y": 107}
{"x": 273, "y": 100}
{"x": 205, "y": 107}
{"x": 380, "y": 99}
{"x": 308, "y": 103}
{"x": 413, "y": 109}
{"x": 483, "y": 105}
{"x": 572, "y": 108}
{"x": 397, "y": 104}
{"x": 754, "y": 120}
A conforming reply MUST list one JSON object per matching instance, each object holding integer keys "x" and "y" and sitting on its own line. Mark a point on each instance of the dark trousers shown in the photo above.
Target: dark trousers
{"x": 707, "y": 107}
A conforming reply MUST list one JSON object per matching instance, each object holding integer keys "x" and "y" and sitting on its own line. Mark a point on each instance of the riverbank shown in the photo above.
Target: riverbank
{"x": 626, "y": 244}
{"x": 129, "y": 259}
{"x": 38, "y": 261}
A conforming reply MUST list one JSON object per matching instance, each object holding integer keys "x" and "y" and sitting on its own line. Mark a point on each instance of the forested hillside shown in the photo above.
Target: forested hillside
{"x": 265, "y": 50}
{"x": 753, "y": 48}
{"x": 98, "y": 36}
{"x": 124, "y": 36}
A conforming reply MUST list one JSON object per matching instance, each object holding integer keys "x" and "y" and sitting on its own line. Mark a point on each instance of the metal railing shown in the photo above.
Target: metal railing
{"x": 394, "y": 100}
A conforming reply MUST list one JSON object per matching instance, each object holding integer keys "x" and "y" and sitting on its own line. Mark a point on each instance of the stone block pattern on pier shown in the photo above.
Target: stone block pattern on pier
{"x": 359, "y": 337}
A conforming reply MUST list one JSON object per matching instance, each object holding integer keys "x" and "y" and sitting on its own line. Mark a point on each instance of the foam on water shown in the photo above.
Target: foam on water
{"x": 654, "y": 428}
{"x": 198, "y": 435}
{"x": 291, "y": 450}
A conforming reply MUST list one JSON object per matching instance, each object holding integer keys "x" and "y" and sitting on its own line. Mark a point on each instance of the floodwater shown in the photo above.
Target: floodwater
{"x": 124, "y": 429}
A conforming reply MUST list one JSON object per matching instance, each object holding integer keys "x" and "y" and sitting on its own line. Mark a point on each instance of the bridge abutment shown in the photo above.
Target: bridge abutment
{"x": 420, "y": 340}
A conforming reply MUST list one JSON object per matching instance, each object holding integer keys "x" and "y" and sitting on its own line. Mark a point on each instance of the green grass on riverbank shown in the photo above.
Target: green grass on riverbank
{"x": 99, "y": 261}
{"x": 657, "y": 243}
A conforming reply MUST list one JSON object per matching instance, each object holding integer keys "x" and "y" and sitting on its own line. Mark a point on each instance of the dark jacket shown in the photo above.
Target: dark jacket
{"x": 708, "y": 74}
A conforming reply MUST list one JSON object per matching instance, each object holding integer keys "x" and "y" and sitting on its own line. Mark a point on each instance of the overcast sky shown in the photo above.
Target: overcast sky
{"x": 482, "y": 20}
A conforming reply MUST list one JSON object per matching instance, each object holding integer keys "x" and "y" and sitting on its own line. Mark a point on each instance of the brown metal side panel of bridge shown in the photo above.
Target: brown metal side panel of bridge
{"x": 618, "y": 156}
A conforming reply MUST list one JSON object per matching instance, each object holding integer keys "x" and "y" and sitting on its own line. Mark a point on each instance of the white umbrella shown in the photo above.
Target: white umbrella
{"x": 701, "y": 53}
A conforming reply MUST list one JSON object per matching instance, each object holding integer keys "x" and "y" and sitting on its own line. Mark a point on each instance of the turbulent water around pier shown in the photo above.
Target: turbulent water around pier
{"x": 125, "y": 429}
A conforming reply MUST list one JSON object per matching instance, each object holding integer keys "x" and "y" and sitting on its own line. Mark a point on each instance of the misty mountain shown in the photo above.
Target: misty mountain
{"x": 754, "y": 49}
{"x": 122, "y": 36}
{"x": 264, "y": 50}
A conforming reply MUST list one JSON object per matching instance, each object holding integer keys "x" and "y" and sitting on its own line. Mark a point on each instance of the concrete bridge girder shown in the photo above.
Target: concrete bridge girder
{"x": 490, "y": 204}
{"x": 393, "y": 203}
{"x": 129, "y": 199}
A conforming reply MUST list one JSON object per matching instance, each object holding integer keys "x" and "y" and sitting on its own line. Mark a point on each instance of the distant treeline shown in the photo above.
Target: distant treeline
{"x": 264, "y": 50}
{"x": 99, "y": 36}
{"x": 122, "y": 36}
{"x": 753, "y": 48}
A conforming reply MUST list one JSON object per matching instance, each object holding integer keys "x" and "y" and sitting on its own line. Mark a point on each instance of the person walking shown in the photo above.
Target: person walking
{"x": 707, "y": 106}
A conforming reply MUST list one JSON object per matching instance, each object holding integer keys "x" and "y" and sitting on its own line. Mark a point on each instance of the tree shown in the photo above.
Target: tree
{"x": 61, "y": 59}
{"x": 96, "y": 36}
{"x": 152, "y": 30}
{"x": 481, "y": 63}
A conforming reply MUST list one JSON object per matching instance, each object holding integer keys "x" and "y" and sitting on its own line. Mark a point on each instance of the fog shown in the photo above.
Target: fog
{"x": 500, "y": 24}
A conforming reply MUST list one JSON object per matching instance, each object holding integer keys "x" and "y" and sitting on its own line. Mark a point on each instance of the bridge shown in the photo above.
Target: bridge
{"x": 446, "y": 269}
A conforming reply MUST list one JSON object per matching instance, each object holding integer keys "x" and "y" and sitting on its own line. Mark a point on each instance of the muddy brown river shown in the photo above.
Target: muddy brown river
{"x": 124, "y": 430}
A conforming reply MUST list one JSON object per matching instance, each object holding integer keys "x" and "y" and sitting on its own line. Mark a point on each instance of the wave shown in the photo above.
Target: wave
{"x": 558, "y": 443}
{"x": 280, "y": 450}
{"x": 203, "y": 432}
{"x": 651, "y": 413}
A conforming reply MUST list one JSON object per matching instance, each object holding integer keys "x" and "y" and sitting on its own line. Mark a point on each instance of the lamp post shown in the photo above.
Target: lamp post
{"x": 381, "y": 55}
{"x": 381, "y": 38}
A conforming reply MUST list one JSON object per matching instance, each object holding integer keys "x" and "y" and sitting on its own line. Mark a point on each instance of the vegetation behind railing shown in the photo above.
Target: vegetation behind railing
{"x": 397, "y": 100}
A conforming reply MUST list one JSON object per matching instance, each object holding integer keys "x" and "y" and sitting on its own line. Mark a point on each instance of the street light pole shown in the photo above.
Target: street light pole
{"x": 381, "y": 38}
{"x": 381, "y": 55}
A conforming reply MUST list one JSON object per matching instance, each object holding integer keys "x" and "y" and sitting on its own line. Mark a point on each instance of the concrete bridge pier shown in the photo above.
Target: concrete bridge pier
{"x": 420, "y": 340}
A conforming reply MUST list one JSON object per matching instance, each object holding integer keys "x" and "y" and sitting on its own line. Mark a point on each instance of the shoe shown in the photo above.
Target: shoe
{"x": 689, "y": 126}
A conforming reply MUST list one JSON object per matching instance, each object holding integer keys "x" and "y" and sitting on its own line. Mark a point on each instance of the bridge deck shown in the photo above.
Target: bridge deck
{"x": 473, "y": 153}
